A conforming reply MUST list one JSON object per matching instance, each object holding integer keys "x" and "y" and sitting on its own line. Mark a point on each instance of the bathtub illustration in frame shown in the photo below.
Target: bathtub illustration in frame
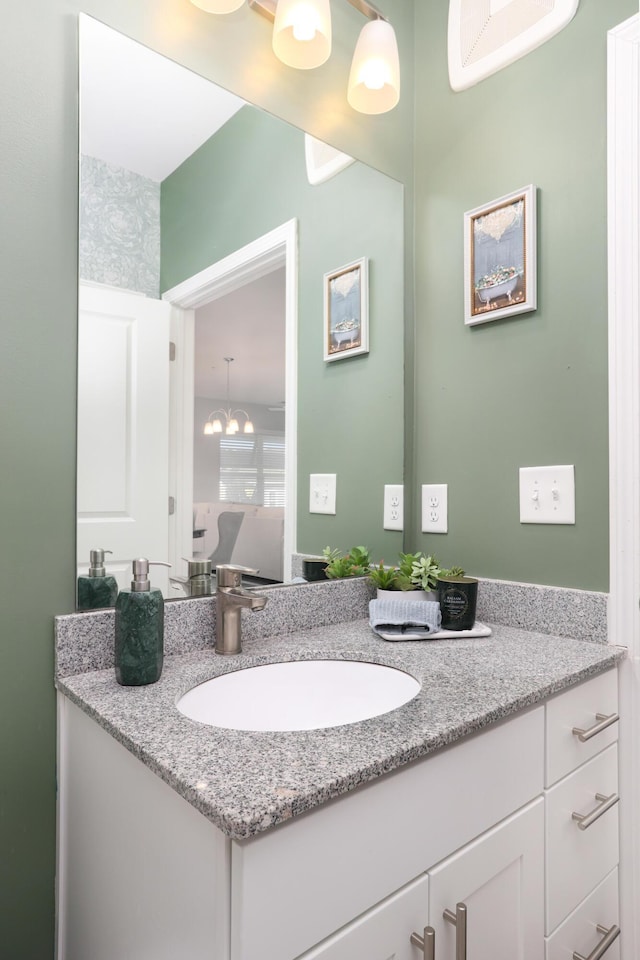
{"x": 500, "y": 257}
{"x": 346, "y": 311}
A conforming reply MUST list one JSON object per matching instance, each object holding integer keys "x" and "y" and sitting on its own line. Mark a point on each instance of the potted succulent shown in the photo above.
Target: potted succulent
{"x": 416, "y": 573}
{"x": 356, "y": 563}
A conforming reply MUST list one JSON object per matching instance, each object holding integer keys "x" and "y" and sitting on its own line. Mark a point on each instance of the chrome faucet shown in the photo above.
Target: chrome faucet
{"x": 230, "y": 598}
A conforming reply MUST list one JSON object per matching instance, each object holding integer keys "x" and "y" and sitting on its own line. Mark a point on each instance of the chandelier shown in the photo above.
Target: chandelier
{"x": 226, "y": 421}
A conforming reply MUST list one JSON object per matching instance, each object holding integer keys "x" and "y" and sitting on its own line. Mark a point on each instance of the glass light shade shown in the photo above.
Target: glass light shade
{"x": 302, "y": 33}
{"x": 232, "y": 426}
{"x": 218, "y": 6}
{"x": 216, "y": 427}
{"x": 248, "y": 427}
{"x": 374, "y": 80}
{"x": 208, "y": 428}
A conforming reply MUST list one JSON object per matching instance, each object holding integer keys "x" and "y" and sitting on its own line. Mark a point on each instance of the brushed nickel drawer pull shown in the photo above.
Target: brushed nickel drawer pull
{"x": 585, "y": 820}
{"x": 609, "y": 935}
{"x": 459, "y": 921}
{"x": 426, "y": 942}
{"x": 603, "y": 721}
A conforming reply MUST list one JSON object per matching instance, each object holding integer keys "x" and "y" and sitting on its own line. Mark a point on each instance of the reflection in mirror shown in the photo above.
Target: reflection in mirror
{"x": 202, "y": 225}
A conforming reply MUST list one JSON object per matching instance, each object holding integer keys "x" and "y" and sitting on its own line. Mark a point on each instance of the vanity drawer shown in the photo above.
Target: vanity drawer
{"x": 578, "y": 859}
{"x": 579, "y": 931}
{"x": 577, "y": 708}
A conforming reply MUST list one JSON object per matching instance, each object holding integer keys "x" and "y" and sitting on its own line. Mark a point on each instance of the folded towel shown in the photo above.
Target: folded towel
{"x": 420, "y": 618}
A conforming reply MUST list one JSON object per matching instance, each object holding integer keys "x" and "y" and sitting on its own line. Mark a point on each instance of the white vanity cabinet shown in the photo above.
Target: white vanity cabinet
{"x": 356, "y": 876}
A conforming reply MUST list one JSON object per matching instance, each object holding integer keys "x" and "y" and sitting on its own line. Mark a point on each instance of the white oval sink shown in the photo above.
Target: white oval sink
{"x": 301, "y": 695}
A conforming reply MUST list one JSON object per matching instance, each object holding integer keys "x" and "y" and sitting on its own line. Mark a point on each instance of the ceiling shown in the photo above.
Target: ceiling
{"x": 139, "y": 110}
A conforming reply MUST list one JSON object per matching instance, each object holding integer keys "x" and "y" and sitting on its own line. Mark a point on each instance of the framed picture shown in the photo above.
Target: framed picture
{"x": 346, "y": 311}
{"x": 500, "y": 257}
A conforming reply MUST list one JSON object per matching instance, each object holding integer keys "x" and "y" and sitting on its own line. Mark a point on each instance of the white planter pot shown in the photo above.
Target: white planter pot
{"x": 407, "y": 594}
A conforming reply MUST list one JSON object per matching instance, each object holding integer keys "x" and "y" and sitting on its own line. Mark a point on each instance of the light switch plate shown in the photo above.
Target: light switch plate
{"x": 393, "y": 513}
{"x": 547, "y": 494}
{"x": 322, "y": 493}
{"x": 434, "y": 508}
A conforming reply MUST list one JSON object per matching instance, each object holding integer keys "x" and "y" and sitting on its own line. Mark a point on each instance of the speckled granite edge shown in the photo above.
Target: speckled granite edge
{"x": 247, "y": 782}
{"x": 561, "y": 611}
{"x": 84, "y": 641}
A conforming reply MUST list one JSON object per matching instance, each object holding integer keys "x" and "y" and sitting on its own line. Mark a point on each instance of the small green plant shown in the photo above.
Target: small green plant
{"x": 453, "y": 572}
{"x": 384, "y": 578}
{"x": 356, "y": 563}
{"x": 424, "y": 573}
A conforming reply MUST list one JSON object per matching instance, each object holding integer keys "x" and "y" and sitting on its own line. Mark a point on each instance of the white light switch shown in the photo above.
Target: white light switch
{"x": 393, "y": 513}
{"x": 547, "y": 494}
{"x": 322, "y": 493}
{"x": 434, "y": 508}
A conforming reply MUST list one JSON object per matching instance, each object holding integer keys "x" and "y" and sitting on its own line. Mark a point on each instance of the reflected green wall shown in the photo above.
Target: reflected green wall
{"x": 349, "y": 411}
{"x": 38, "y": 252}
{"x": 530, "y": 390}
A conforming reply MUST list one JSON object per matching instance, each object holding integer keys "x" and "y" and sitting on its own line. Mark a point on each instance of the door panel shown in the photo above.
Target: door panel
{"x": 123, "y": 428}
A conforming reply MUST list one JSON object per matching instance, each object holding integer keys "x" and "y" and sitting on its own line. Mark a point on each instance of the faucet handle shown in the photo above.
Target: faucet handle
{"x": 230, "y": 574}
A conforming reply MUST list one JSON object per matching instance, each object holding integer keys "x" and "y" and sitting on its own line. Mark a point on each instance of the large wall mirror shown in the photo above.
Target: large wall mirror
{"x": 207, "y": 227}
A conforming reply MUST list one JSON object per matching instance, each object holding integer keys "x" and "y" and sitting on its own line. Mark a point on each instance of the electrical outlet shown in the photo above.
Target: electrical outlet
{"x": 434, "y": 508}
{"x": 322, "y": 493}
{"x": 393, "y": 512}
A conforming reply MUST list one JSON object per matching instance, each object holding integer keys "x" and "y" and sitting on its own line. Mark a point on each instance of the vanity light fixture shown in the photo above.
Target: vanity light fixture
{"x": 218, "y": 6}
{"x": 302, "y": 39}
{"x": 302, "y": 33}
{"x": 230, "y": 426}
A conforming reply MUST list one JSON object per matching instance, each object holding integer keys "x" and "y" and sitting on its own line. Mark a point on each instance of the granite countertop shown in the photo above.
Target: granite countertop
{"x": 247, "y": 782}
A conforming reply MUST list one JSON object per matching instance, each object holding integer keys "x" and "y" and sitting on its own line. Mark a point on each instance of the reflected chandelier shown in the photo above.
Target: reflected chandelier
{"x": 230, "y": 426}
{"x": 302, "y": 39}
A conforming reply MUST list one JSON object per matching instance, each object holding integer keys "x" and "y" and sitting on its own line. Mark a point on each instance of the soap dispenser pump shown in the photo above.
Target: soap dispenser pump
{"x": 139, "y": 646}
{"x": 96, "y": 589}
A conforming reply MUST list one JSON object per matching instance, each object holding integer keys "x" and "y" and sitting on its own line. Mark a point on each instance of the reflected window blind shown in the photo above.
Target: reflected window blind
{"x": 252, "y": 469}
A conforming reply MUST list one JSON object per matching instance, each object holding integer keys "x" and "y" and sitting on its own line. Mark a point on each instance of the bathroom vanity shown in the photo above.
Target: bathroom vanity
{"x": 181, "y": 840}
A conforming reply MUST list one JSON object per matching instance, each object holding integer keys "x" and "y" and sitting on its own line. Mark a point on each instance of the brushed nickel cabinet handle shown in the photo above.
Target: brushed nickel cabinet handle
{"x": 603, "y": 721}
{"x": 609, "y": 934}
{"x": 585, "y": 820}
{"x": 459, "y": 921}
{"x": 426, "y": 942}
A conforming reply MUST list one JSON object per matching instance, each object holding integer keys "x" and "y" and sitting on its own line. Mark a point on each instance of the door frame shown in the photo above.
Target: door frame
{"x": 267, "y": 253}
{"x": 623, "y": 158}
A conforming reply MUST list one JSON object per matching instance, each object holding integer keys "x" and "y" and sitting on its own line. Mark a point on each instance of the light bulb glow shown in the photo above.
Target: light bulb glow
{"x": 248, "y": 427}
{"x": 302, "y": 32}
{"x": 208, "y": 428}
{"x": 218, "y": 6}
{"x": 374, "y": 80}
{"x": 217, "y": 427}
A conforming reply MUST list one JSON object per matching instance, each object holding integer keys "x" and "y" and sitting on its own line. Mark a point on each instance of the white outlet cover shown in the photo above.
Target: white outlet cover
{"x": 547, "y": 494}
{"x": 486, "y": 35}
{"x": 393, "y": 508}
{"x": 434, "y": 508}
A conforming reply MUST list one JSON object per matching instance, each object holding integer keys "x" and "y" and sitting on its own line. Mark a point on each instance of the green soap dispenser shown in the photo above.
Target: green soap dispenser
{"x": 139, "y": 646}
{"x": 96, "y": 589}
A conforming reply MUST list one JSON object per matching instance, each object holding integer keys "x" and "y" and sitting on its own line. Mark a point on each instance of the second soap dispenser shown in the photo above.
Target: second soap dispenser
{"x": 139, "y": 642}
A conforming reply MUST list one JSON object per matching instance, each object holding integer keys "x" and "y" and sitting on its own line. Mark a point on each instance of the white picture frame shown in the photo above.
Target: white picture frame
{"x": 346, "y": 311}
{"x": 500, "y": 257}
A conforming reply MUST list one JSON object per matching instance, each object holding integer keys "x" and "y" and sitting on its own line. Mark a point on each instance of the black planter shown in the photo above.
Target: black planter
{"x": 457, "y": 597}
{"x": 314, "y": 569}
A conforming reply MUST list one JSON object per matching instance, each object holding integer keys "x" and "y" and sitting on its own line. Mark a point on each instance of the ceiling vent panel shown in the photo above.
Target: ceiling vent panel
{"x": 486, "y": 35}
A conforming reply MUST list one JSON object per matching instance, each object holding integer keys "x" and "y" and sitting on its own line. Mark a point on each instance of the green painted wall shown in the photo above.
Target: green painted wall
{"x": 530, "y": 390}
{"x": 348, "y": 411}
{"x": 38, "y": 252}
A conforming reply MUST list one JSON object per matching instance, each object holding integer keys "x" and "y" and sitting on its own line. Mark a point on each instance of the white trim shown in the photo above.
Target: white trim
{"x": 181, "y": 380}
{"x": 277, "y": 248}
{"x": 623, "y": 139}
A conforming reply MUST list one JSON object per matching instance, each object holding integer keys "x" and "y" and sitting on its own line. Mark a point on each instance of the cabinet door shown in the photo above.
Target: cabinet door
{"x": 383, "y": 933}
{"x": 499, "y": 878}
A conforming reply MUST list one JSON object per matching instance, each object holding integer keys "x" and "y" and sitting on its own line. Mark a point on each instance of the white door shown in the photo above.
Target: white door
{"x": 499, "y": 879}
{"x": 383, "y": 933}
{"x": 123, "y": 430}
